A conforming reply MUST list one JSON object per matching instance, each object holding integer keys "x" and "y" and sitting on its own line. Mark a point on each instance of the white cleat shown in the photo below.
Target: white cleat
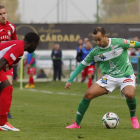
{"x": 8, "y": 127}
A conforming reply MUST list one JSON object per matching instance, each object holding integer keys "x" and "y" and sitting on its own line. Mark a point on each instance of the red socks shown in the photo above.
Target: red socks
{"x": 89, "y": 82}
{"x": 31, "y": 80}
{"x": 3, "y": 120}
{"x": 5, "y": 103}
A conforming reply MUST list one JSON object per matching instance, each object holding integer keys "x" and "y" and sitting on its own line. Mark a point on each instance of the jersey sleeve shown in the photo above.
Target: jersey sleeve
{"x": 125, "y": 44}
{"x": 88, "y": 59}
{"x": 12, "y": 54}
{"x": 79, "y": 68}
{"x": 14, "y": 34}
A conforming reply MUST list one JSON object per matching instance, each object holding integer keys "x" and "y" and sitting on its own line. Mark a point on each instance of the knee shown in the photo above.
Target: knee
{"x": 130, "y": 95}
{"x": 88, "y": 95}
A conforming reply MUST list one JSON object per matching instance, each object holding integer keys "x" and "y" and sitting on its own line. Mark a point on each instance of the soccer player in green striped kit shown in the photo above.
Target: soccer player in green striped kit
{"x": 112, "y": 57}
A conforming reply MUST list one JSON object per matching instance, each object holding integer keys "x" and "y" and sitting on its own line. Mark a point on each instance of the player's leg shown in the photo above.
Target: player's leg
{"x": 101, "y": 87}
{"x": 93, "y": 92}
{"x": 29, "y": 80}
{"x": 89, "y": 80}
{"x": 90, "y": 72}
{"x": 5, "y": 102}
{"x": 32, "y": 72}
{"x": 59, "y": 72}
{"x": 54, "y": 72}
{"x": 84, "y": 74}
{"x": 128, "y": 89}
{"x": 9, "y": 75}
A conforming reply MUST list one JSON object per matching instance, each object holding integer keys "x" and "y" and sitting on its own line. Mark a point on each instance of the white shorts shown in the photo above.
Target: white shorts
{"x": 111, "y": 83}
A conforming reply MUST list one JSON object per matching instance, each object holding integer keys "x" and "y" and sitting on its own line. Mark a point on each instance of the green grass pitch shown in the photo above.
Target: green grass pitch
{"x": 43, "y": 114}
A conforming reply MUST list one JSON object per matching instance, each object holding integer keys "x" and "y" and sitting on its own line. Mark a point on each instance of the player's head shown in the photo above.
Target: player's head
{"x": 3, "y": 14}
{"x": 86, "y": 39}
{"x": 80, "y": 42}
{"x": 88, "y": 44}
{"x": 56, "y": 46}
{"x": 31, "y": 42}
{"x": 136, "y": 38}
{"x": 99, "y": 35}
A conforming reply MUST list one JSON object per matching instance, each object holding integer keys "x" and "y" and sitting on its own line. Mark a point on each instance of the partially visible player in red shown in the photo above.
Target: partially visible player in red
{"x": 10, "y": 54}
{"x": 31, "y": 64}
{"x": 88, "y": 71}
{"x": 7, "y": 32}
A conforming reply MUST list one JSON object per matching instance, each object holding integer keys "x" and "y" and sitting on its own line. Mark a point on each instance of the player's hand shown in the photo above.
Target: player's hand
{"x": 28, "y": 66}
{"x": 67, "y": 86}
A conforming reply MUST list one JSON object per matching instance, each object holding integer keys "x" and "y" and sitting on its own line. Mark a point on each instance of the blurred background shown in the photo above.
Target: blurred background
{"x": 66, "y": 21}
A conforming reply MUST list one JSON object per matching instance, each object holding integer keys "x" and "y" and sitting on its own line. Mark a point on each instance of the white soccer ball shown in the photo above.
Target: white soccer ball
{"x": 110, "y": 120}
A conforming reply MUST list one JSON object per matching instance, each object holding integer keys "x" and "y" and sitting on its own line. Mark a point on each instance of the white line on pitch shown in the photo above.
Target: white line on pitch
{"x": 62, "y": 93}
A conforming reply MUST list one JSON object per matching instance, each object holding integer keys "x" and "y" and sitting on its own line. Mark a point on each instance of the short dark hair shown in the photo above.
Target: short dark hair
{"x": 31, "y": 37}
{"x": 2, "y": 7}
{"x": 99, "y": 29}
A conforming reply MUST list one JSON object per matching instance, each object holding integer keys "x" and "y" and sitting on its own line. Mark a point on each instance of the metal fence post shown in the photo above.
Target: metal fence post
{"x": 70, "y": 66}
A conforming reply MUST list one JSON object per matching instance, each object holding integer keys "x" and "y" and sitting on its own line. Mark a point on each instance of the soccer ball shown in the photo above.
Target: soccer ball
{"x": 110, "y": 120}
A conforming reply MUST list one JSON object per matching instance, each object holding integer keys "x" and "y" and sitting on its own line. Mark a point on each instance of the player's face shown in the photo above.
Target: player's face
{"x": 32, "y": 47}
{"x": 101, "y": 40}
{"x": 88, "y": 45}
{"x": 56, "y": 47}
{"x": 3, "y": 16}
{"x": 80, "y": 41}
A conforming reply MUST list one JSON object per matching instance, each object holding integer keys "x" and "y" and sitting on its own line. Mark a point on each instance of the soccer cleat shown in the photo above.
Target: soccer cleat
{"x": 73, "y": 126}
{"x": 27, "y": 86}
{"x": 8, "y": 127}
{"x": 32, "y": 86}
{"x": 135, "y": 122}
{"x": 10, "y": 116}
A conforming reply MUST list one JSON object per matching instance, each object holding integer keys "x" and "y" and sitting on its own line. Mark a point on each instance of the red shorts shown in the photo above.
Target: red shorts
{"x": 88, "y": 70}
{"x": 3, "y": 76}
{"x": 32, "y": 70}
{"x": 9, "y": 72}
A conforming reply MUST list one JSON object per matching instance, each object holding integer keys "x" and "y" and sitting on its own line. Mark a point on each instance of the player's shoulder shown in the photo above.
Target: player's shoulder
{"x": 95, "y": 49}
{"x": 120, "y": 41}
{"x": 12, "y": 26}
{"x": 116, "y": 39}
{"x": 17, "y": 41}
{"x": 83, "y": 48}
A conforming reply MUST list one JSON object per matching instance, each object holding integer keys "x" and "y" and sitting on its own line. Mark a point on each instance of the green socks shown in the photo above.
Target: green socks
{"x": 132, "y": 106}
{"x": 83, "y": 105}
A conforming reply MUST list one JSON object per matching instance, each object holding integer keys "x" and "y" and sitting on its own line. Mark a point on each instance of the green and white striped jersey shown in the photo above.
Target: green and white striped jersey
{"x": 113, "y": 60}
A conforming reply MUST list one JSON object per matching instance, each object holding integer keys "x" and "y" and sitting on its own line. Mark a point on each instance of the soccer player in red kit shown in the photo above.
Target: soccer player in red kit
{"x": 10, "y": 54}
{"x": 7, "y": 32}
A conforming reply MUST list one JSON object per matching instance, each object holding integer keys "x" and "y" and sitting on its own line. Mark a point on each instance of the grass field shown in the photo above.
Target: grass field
{"x": 43, "y": 114}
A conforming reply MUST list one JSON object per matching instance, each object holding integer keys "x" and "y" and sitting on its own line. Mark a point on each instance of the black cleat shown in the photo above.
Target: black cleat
{"x": 9, "y": 116}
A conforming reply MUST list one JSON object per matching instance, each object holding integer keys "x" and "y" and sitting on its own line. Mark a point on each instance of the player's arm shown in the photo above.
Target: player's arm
{"x": 14, "y": 35}
{"x": 86, "y": 62}
{"x": 79, "y": 68}
{"x": 136, "y": 44}
{"x": 129, "y": 44}
{"x": 3, "y": 62}
{"x": 13, "y": 53}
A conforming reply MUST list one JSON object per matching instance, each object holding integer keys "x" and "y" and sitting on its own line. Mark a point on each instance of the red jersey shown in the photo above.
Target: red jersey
{"x": 7, "y": 32}
{"x": 12, "y": 51}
